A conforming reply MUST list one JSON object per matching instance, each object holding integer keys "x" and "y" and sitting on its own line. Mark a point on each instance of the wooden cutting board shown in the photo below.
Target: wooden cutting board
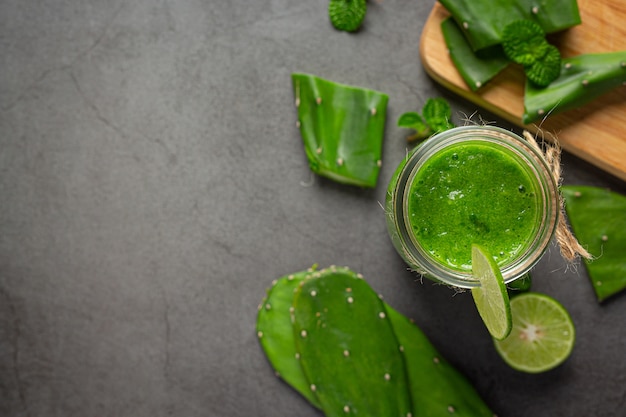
{"x": 595, "y": 132}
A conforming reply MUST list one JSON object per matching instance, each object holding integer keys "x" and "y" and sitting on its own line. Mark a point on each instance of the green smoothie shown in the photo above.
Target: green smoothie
{"x": 473, "y": 192}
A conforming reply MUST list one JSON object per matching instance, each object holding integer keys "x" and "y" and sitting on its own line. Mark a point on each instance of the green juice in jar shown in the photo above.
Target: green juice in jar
{"x": 474, "y": 184}
{"x": 470, "y": 193}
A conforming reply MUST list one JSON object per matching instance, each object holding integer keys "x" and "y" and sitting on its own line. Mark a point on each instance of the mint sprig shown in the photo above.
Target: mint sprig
{"x": 435, "y": 117}
{"x": 524, "y": 42}
{"x": 347, "y": 15}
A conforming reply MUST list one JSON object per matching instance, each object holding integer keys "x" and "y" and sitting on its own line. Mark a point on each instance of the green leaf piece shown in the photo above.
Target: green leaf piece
{"x": 582, "y": 79}
{"x": 275, "y": 333}
{"x": 342, "y": 129}
{"x": 347, "y": 346}
{"x": 347, "y": 15}
{"x": 476, "y": 69}
{"x": 437, "y": 113}
{"x": 435, "y": 117}
{"x": 598, "y": 219}
{"x": 437, "y": 388}
{"x": 483, "y": 22}
{"x": 331, "y": 337}
{"x": 413, "y": 120}
{"x": 546, "y": 68}
{"x": 524, "y": 42}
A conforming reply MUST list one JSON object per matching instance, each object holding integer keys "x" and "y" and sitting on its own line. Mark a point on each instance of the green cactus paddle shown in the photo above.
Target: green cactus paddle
{"x": 437, "y": 388}
{"x": 598, "y": 219}
{"x": 475, "y": 69}
{"x": 483, "y": 21}
{"x": 582, "y": 79}
{"x": 347, "y": 351}
{"x": 342, "y": 129}
{"x": 347, "y": 346}
{"x": 275, "y": 333}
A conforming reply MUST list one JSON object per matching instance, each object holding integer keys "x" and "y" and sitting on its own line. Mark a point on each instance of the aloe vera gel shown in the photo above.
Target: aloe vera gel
{"x": 472, "y": 185}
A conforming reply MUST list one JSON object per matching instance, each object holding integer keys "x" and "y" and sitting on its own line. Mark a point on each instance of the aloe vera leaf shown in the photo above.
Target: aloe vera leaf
{"x": 475, "y": 69}
{"x": 583, "y": 78}
{"x": 342, "y": 128}
{"x": 483, "y": 21}
{"x": 348, "y": 349}
{"x": 437, "y": 388}
{"x": 275, "y": 333}
{"x": 598, "y": 219}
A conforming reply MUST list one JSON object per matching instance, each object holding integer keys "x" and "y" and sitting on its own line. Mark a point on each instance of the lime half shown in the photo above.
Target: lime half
{"x": 542, "y": 336}
{"x": 491, "y": 297}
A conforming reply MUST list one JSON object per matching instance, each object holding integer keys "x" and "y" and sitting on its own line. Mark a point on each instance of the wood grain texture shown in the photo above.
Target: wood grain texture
{"x": 595, "y": 132}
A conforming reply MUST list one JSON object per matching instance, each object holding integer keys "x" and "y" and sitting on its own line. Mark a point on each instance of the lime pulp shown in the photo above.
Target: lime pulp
{"x": 542, "y": 336}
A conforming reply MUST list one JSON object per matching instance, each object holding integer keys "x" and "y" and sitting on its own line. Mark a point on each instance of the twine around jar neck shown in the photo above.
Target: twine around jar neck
{"x": 568, "y": 244}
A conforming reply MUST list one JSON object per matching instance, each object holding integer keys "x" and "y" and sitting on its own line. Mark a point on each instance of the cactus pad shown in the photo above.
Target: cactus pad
{"x": 275, "y": 333}
{"x": 483, "y": 21}
{"x": 347, "y": 347}
{"x": 583, "y": 78}
{"x": 342, "y": 129}
{"x": 331, "y": 337}
{"x": 437, "y": 388}
{"x": 598, "y": 219}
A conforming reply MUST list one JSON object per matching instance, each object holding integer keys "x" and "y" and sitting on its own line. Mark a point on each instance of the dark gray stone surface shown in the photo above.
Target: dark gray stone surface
{"x": 153, "y": 184}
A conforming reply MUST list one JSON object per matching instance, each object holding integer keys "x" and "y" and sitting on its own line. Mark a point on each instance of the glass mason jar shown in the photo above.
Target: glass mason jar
{"x": 472, "y": 184}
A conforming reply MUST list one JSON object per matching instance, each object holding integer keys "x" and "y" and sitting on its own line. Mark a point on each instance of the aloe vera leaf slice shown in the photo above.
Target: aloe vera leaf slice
{"x": 598, "y": 219}
{"x": 475, "y": 69}
{"x": 583, "y": 78}
{"x": 483, "y": 21}
{"x": 342, "y": 128}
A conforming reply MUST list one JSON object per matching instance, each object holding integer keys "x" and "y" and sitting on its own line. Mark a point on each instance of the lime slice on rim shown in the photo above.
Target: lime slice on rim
{"x": 491, "y": 297}
{"x": 542, "y": 336}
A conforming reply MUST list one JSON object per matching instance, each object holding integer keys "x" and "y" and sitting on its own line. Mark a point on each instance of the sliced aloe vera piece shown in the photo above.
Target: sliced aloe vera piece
{"x": 342, "y": 129}
{"x": 483, "y": 21}
{"x": 475, "y": 69}
{"x": 598, "y": 219}
{"x": 583, "y": 78}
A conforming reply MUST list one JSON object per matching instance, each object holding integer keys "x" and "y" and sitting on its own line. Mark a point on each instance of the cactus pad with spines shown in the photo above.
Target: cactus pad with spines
{"x": 583, "y": 78}
{"x": 348, "y": 352}
{"x": 598, "y": 219}
{"x": 347, "y": 346}
{"x": 342, "y": 128}
{"x": 275, "y": 333}
{"x": 437, "y": 388}
{"x": 483, "y": 21}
